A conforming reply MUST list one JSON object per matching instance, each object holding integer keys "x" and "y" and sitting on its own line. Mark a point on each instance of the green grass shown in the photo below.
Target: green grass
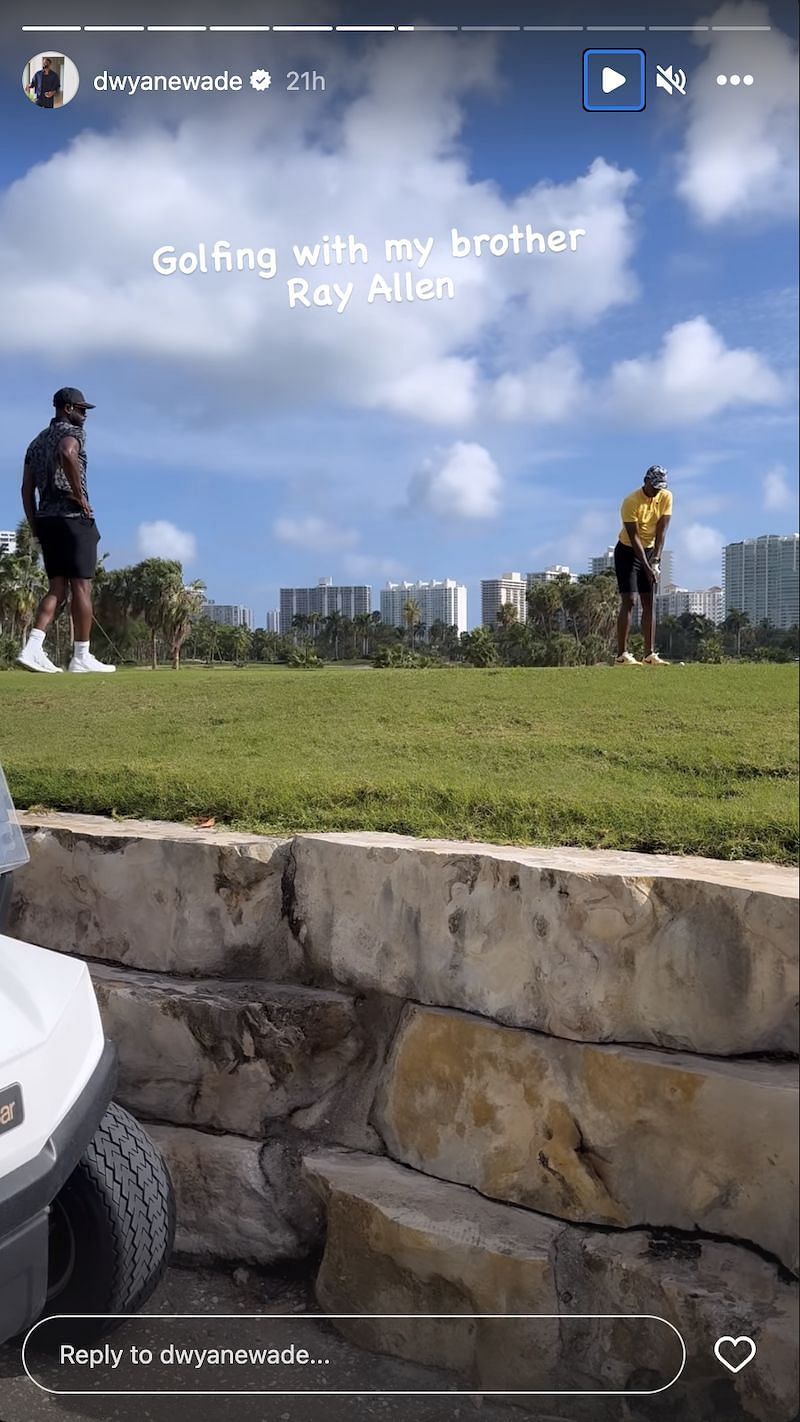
{"x": 694, "y": 759}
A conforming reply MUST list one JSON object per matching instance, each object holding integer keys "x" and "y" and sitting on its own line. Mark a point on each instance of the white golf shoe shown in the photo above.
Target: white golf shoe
{"x": 88, "y": 663}
{"x": 35, "y": 659}
{"x": 627, "y": 659}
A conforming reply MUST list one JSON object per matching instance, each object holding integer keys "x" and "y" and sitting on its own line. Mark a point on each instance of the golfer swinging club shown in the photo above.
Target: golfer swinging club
{"x": 637, "y": 560}
{"x": 63, "y": 522}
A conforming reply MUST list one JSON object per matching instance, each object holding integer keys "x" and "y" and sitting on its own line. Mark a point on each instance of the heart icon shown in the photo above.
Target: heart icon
{"x": 733, "y": 1346}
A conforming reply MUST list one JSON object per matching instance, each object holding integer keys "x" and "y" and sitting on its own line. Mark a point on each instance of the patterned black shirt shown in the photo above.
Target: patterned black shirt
{"x": 55, "y": 497}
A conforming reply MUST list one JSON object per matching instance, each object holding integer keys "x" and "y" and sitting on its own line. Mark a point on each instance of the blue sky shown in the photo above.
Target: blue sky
{"x": 454, "y": 438}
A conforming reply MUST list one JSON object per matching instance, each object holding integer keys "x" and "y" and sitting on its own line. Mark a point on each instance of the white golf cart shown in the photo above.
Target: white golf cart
{"x": 87, "y": 1214}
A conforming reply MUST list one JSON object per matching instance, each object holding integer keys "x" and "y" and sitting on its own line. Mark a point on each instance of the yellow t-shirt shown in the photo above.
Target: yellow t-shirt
{"x": 637, "y": 508}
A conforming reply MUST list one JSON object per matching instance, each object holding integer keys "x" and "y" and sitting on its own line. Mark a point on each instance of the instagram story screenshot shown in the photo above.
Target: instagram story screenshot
{"x": 399, "y": 893}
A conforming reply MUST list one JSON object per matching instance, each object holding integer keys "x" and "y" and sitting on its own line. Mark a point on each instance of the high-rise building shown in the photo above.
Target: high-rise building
{"x": 549, "y": 575}
{"x": 509, "y": 587}
{"x": 760, "y": 577}
{"x": 8, "y": 541}
{"x": 272, "y": 620}
{"x": 228, "y": 614}
{"x": 674, "y": 601}
{"x": 323, "y": 599}
{"x": 442, "y": 600}
{"x": 667, "y": 568}
{"x": 602, "y": 563}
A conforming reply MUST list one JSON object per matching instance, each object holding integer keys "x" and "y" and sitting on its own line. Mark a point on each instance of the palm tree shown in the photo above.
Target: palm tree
{"x": 300, "y": 622}
{"x": 363, "y": 623}
{"x": 349, "y": 638}
{"x": 241, "y": 642}
{"x": 506, "y": 615}
{"x": 412, "y": 615}
{"x": 544, "y": 606}
{"x": 735, "y": 623}
{"x": 180, "y": 606}
{"x": 113, "y": 602}
{"x": 667, "y": 632}
{"x": 305, "y": 656}
{"x": 333, "y": 631}
{"x": 153, "y": 587}
{"x": 22, "y": 586}
{"x": 696, "y": 628}
{"x": 313, "y": 621}
{"x": 479, "y": 647}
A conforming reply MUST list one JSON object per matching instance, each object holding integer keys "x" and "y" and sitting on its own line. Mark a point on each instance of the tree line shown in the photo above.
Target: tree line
{"x": 146, "y": 614}
{"x": 143, "y": 613}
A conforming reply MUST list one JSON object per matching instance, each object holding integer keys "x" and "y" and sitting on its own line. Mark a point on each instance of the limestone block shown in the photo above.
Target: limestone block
{"x": 237, "y": 1199}
{"x": 597, "y": 945}
{"x": 231, "y": 1056}
{"x": 398, "y": 1242}
{"x": 709, "y": 1290}
{"x": 155, "y": 896}
{"x": 619, "y": 1136}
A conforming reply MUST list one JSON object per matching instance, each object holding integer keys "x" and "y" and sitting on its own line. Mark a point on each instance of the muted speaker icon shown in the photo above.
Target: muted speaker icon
{"x": 673, "y": 80}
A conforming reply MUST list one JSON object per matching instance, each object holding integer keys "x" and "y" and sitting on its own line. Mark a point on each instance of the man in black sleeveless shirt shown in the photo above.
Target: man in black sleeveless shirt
{"x": 56, "y": 503}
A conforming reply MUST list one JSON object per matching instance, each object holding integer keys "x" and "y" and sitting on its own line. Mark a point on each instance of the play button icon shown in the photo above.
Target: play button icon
{"x": 613, "y": 80}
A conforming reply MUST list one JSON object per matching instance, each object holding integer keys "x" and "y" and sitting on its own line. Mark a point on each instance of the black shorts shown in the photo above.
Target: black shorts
{"x": 69, "y": 546}
{"x": 631, "y": 577}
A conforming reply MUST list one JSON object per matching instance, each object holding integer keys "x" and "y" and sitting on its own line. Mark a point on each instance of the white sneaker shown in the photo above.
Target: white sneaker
{"x": 88, "y": 663}
{"x": 627, "y": 659}
{"x": 35, "y": 659}
{"x": 654, "y": 660}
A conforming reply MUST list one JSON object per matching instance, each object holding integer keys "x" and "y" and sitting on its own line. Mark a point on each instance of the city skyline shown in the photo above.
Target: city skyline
{"x": 500, "y": 429}
{"x": 768, "y": 586}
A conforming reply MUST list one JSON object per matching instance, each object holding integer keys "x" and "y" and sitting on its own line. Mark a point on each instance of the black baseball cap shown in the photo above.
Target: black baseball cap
{"x": 69, "y": 395}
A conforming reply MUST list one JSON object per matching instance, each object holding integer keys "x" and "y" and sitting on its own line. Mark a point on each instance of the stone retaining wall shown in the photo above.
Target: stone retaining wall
{"x": 487, "y": 1079}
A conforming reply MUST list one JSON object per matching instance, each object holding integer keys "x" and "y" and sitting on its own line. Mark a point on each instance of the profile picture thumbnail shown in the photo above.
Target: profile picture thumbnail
{"x": 50, "y": 80}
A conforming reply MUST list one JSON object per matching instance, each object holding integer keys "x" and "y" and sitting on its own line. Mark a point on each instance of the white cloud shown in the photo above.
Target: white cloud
{"x": 698, "y": 549}
{"x": 313, "y": 533}
{"x": 547, "y": 391}
{"x": 693, "y": 376}
{"x": 701, "y": 542}
{"x": 740, "y": 155}
{"x": 700, "y": 504}
{"x": 779, "y": 496}
{"x": 163, "y": 540}
{"x": 363, "y": 565}
{"x": 592, "y": 532}
{"x": 444, "y": 391}
{"x": 697, "y": 465}
{"x": 463, "y": 483}
{"x": 390, "y": 165}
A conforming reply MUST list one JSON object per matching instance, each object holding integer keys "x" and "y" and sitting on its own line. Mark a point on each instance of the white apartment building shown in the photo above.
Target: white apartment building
{"x": 228, "y": 614}
{"x": 558, "y": 570}
{"x": 326, "y": 597}
{"x": 509, "y": 587}
{"x": 603, "y": 562}
{"x": 674, "y": 601}
{"x": 272, "y": 620}
{"x": 760, "y": 577}
{"x": 8, "y": 541}
{"x": 440, "y": 600}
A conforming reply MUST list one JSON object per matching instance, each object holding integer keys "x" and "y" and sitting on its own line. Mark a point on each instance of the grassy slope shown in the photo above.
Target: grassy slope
{"x": 695, "y": 759}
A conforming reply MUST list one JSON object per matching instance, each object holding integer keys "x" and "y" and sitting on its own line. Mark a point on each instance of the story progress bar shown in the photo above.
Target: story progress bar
{"x": 383, "y": 29}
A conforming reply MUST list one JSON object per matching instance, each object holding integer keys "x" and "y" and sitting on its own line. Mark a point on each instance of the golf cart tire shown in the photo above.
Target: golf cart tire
{"x": 118, "y": 1208}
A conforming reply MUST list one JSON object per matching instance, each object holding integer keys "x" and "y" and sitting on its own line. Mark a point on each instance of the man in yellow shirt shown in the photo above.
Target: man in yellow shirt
{"x": 637, "y": 560}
